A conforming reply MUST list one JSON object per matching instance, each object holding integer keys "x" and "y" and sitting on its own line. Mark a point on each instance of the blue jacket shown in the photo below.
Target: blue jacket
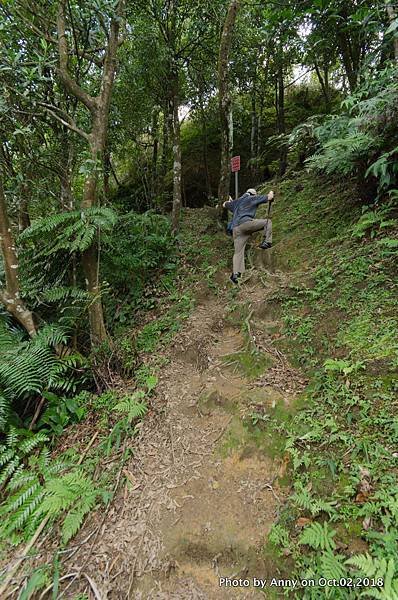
{"x": 244, "y": 208}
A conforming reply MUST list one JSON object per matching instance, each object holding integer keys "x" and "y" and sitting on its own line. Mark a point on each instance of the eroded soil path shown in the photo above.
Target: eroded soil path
{"x": 203, "y": 489}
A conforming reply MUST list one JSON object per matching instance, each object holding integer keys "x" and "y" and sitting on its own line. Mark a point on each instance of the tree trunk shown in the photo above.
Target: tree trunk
{"x": 392, "y": 15}
{"x": 176, "y": 211}
{"x": 165, "y": 140}
{"x": 107, "y": 171}
{"x": 253, "y": 137}
{"x": 10, "y": 296}
{"x": 65, "y": 170}
{"x": 90, "y": 258}
{"x": 324, "y": 85}
{"x": 253, "y": 132}
{"x": 346, "y": 56}
{"x": 225, "y": 102}
{"x": 259, "y": 126}
{"x": 209, "y": 191}
{"x": 23, "y": 213}
{"x": 95, "y": 311}
{"x": 280, "y": 88}
{"x": 155, "y": 151}
{"x": 98, "y": 107}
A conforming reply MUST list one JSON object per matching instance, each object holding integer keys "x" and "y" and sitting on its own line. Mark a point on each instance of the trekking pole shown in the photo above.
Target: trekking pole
{"x": 268, "y": 216}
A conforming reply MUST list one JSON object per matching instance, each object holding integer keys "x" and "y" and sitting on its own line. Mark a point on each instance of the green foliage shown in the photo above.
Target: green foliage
{"x": 26, "y": 488}
{"x": 35, "y": 485}
{"x": 341, "y": 442}
{"x": 17, "y": 447}
{"x": 374, "y": 221}
{"x": 37, "y": 581}
{"x": 354, "y": 142}
{"x": 342, "y": 366}
{"x": 318, "y": 536}
{"x": 72, "y": 231}
{"x": 60, "y": 412}
{"x": 132, "y": 407}
{"x": 30, "y": 368}
{"x": 382, "y": 571}
{"x": 140, "y": 248}
{"x": 160, "y": 330}
{"x": 72, "y": 495}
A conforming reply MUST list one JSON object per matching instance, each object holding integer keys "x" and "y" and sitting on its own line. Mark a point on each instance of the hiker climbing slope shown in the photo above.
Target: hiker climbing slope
{"x": 243, "y": 224}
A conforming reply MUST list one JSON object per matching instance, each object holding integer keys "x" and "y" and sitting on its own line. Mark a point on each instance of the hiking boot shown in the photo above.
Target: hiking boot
{"x": 265, "y": 245}
{"x": 234, "y": 277}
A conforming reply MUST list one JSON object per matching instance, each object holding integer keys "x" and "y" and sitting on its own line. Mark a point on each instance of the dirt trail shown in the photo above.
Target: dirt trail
{"x": 203, "y": 493}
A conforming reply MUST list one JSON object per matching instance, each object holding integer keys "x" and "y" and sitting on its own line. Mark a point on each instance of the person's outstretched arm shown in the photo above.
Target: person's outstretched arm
{"x": 263, "y": 199}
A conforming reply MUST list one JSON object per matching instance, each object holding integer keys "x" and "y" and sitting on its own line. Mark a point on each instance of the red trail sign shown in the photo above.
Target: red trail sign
{"x": 235, "y": 164}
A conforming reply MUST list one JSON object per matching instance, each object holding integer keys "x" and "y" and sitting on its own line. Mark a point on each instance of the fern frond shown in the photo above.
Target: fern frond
{"x": 74, "y": 518}
{"x": 16, "y": 501}
{"x": 63, "y": 492}
{"x": 318, "y": 536}
{"x": 50, "y": 335}
{"x": 62, "y": 294}
{"x": 132, "y": 406}
{"x": 70, "y": 231}
{"x": 28, "y": 445}
{"x": 332, "y": 565}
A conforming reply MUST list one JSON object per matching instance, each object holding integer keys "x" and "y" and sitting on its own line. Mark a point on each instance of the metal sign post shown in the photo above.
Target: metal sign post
{"x": 235, "y": 168}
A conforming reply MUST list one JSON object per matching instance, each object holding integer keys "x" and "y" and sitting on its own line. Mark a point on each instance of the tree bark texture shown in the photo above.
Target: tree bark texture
{"x": 177, "y": 192}
{"x": 225, "y": 101}
{"x": 10, "y": 296}
{"x": 98, "y": 106}
{"x": 280, "y": 90}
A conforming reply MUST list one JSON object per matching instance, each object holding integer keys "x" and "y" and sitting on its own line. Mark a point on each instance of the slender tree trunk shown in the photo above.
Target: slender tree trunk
{"x": 65, "y": 172}
{"x": 23, "y": 214}
{"x": 253, "y": 136}
{"x": 98, "y": 107}
{"x": 107, "y": 171}
{"x": 177, "y": 192}
{"x": 253, "y": 132}
{"x": 10, "y": 296}
{"x": 165, "y": 140}
{"x": 155, "y": 150}
{"x": 225, "y": 106}
{"x": 281, "y": 119}
{"x": 346, "y": 56}
{"x": 324, "y": 86}
{"x": 209, "y": 191}
{"x": 90, "y": 257}
{"x": 392, "y": 15}
{"x": 259, "y": 126}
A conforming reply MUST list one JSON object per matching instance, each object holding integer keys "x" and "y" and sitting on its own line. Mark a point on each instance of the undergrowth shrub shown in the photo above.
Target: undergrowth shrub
{"x": 31, "y": 368}
{"x": 361, "y": 140}
{"x": 141, "y": 246}
{"x": 34, "y": 485}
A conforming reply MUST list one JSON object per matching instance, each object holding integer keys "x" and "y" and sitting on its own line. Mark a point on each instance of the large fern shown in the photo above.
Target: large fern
{"x": 361, "y": 140}
{"x": 40, "y": 487}
{"x": 29, "y": 367}
{"x": 18, "y": 445}
{"x": 74, "y": 495}
{"x": 378, "y": 569}
{"x": 25, "y": 488}
{"x": 72, "y": 231}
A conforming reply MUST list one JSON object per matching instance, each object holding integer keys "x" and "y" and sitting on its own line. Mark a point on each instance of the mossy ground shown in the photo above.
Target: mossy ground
{"x": 340, "y": 326}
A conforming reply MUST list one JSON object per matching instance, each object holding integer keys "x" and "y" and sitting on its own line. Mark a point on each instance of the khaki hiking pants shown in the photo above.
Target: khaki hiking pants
{"x": 242, "y": 233}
